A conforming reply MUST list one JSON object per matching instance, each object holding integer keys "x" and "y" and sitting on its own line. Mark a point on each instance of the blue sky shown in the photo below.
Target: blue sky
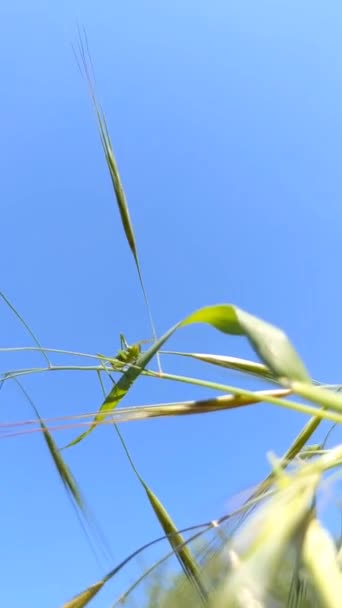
{"x": 227, "y": 125}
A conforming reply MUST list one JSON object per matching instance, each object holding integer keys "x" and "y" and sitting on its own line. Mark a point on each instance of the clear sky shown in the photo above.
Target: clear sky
{"x": 227, "y": 125}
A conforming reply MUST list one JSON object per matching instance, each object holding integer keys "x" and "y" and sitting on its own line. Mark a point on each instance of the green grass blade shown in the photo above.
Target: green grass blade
{"x": 316, "y": 394}
{"x": 294, "y": 450}
{"x": 27, "y": 327}
{"x": 302, "y": 438}
{"x": 269, "y": 342}
{"x": 123, "y": 385}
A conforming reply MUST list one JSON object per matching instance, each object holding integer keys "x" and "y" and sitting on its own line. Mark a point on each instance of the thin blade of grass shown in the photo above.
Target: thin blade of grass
{"x": 268, "y": 341}
{"x": 294, "y": 450}
{"x": 238, "y": 391}
{"x": 27, "y": 327}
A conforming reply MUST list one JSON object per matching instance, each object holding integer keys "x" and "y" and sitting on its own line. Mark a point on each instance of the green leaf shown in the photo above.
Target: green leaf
{"x": 269, "y": 342}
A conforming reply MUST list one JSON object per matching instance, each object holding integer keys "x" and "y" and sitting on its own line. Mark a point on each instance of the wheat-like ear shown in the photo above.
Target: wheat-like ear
{"x": 83, "y": 58}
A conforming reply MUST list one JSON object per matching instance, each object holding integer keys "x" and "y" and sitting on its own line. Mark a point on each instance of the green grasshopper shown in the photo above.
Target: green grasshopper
{"x": 127, "y": 355}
